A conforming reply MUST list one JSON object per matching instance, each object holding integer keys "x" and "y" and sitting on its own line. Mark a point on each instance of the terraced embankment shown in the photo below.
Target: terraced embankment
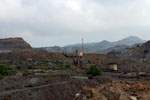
{"x": 45, "y": 87}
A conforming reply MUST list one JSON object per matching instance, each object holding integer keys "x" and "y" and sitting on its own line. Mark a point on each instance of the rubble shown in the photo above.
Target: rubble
{"x": 115, "y": 91}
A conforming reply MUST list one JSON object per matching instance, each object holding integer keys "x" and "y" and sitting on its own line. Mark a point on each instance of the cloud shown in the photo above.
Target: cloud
{"x": 59, "y": 22}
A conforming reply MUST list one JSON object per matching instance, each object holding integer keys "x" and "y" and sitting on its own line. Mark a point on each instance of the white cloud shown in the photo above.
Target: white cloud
{"x": 56, "y": 21}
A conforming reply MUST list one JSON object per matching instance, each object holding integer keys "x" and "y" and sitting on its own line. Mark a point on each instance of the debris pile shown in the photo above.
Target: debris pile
{"x": 115, "y": 91}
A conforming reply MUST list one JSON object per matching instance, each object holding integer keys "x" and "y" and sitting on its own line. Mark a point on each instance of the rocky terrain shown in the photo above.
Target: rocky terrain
{"x": 139, "y": 52}
{"x": 115, "y": 91}
{"x": 13, "y": 44}
{"x": 45, "y": 87}
{"x": 118, "y": 48}
{"x": 60, "y": 87}
{"x": 29, "y": 59}
{"x": 28, "y": 73}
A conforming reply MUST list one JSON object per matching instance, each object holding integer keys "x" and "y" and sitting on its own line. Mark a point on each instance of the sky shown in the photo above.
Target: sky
{"x": 62, "y": 22}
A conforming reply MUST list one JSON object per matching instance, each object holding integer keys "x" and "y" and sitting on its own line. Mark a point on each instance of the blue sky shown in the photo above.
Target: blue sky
{"x": 62, "y": 22}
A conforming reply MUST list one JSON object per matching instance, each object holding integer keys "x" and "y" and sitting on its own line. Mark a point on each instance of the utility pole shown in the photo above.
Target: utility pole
{"x": 82, "y": 45}
{"x": 80, "y": 55}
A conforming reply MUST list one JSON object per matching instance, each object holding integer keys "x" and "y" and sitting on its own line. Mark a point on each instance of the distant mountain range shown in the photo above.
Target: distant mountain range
{"x": 103, "y": 47}
{"x": 97, "y": 47}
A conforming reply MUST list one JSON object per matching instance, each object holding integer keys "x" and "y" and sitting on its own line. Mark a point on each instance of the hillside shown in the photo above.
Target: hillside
{"x": 14, "y": 44}
{"x": 97, "y": 46}
{"x": 129, "y": 41}
{"x": 118, "y": 48}
{"x": 139, "y": 52}
{"x": 58, "y": 59}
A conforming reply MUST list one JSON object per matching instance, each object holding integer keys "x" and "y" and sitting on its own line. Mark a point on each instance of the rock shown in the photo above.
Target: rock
{"x": 90, "y": 94}
{"x": 140, "y": 87}
{"x": 34, "y": 81}
{"x": 19, "y": 74}
{"x": 78, "y": 94}
{"x": 133, "y": 98}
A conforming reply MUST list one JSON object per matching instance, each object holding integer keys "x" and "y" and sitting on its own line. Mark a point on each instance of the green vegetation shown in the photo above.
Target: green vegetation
{"x": 4, "y": 70}
{"x": 26, "y": 73}
{"x": 68, "y": 66}
{"x": 1, "y": 77}
{"x": 94, "y": 71}
{"x": 43, "y": 67}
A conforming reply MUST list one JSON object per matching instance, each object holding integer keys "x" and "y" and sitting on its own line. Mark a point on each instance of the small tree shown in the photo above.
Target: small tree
{"x": 67, "y": 65}
{"x": 94, "y": 71}
{"x": 4, "y": 70}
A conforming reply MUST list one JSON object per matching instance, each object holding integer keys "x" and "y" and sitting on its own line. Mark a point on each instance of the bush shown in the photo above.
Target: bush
{"x": 44, "y": 67}
{"x": 1, "y": 77}
{"x": 29, "y": 85}
{"x": 4, "y": 70}
{"x": 26, "y": 73}
{"x": 67, "y": 66}
{"x": 94, "y": 71}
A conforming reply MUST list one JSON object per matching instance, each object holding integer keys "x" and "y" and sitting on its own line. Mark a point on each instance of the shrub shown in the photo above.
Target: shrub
{"x": 67, "y": 65}
{"x": 44, "y": 67}
{"x": 94, "y": 71}
{"x": 1, "y": 77}
{"x": 29, "y": 85}
{"x": 26, "y": 73}
{"x": 138, "y": 46}
{"x": 4, "y": 70}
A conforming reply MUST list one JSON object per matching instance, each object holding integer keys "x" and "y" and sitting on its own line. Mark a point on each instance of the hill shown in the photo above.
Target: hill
{"x": 97, "y": 46}
{"x": 14, "y": 44}
{"x": 118, "y": 48}
{"x": 139, "y": 52}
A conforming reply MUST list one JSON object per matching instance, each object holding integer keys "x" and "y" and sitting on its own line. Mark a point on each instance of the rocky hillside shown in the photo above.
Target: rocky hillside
{"x": 131, "y": 40}
{"x": 44, "y": 87}
{"x": 59, "y": 60}
{"x": 13, "y": 44}
{"x": 118, "y": 48}
{"x": 138, "y": 52}
{"x": 95, "y": 47}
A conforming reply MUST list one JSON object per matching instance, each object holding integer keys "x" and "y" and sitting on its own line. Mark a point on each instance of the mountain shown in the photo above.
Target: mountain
{"x": 17, "y": 43}
{"x": 139, "y": 52}
{"x": 53, "y": 49}
{"x": 118, "y": 48}
{"x": 129, "y": 41}
{"x": 97, "y": 47}
{"x": 121, "y": 45}
{"x": 88, "y": 47}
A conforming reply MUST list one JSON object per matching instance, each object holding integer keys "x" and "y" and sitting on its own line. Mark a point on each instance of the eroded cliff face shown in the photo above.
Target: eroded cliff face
{"x": 13, "y": 44}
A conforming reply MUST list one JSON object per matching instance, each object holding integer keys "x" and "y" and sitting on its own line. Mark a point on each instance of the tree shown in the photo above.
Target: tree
{"x": 67, "y": 66}
{"x": 94, "y": 71}
{"x": 4, "y": 70}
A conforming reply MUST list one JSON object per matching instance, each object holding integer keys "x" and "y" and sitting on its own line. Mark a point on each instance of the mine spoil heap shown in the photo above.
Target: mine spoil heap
{"x": 115, "y": 91}
{"x": 14, "y": 44}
